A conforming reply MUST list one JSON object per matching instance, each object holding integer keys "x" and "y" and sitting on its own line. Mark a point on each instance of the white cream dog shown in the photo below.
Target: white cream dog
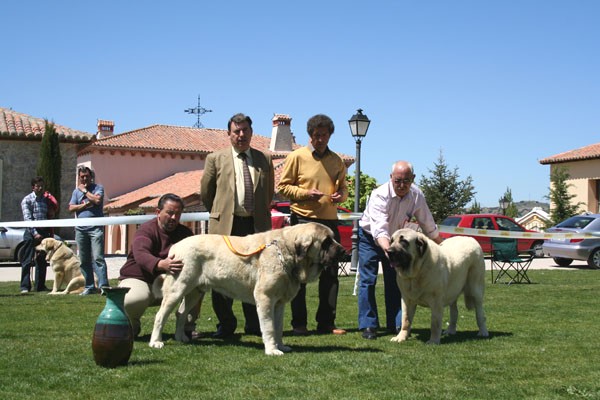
{"x": 65, "y": 264}
{"x": 434, "y": 276}
{"x": 265, "y": 269}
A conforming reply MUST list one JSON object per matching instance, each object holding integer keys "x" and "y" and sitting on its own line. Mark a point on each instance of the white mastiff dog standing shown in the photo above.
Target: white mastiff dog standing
{"x": 265, "y": 269}
{"x": 434, "y": 276}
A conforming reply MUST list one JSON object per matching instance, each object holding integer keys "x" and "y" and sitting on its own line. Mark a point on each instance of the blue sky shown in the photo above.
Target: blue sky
{"x": 493, "y": 85}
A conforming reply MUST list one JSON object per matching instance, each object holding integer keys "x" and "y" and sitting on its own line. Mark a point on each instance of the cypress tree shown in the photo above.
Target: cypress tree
{"x": 50, "y": 161}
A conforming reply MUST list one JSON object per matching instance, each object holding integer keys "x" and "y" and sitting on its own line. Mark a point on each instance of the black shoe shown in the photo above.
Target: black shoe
{"x": 300, "y": 331}
{"x": 223, "y": 333}
{"x": 393, "y": 331}
{"x": 44, "y": 289}
{"x": 369, "y": 333}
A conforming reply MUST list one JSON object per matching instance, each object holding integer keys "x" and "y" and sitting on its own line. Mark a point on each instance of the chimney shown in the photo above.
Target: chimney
{"x": 105, "y": 129}
{"x": 281, "y": 135}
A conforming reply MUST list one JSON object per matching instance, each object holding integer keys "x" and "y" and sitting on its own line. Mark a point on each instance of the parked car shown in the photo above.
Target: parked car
{"x": 563, "y": 250}
{"x": 493, "y": 222}
{"x": 344, "y": 226}
{"x": 11, "y": 240}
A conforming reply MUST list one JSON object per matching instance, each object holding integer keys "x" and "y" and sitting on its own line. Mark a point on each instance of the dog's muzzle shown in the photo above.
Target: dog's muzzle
{"x": 400, "y": 258}
{"x": 333, "y": 252}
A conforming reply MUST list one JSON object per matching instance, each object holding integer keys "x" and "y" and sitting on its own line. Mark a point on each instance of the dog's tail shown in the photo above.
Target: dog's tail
{"x": 159, "y": 286}
{"x": 475, "y": 284}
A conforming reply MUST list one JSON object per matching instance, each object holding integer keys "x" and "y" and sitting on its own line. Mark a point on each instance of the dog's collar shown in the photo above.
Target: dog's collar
{"x": 281, "y": 259}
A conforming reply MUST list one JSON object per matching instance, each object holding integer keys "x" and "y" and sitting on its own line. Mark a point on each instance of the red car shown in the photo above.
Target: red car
{"x": 344, "y": 226}
{"x": 494, "y": 222}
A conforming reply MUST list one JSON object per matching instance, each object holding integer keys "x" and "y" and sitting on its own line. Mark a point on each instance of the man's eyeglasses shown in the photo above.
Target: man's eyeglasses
{"x": 407, "y": 181}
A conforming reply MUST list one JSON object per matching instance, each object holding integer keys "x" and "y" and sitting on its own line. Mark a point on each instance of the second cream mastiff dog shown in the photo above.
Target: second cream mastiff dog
{"x": 265, "y": 269}
{"x": 434, "y": 276}
{"x": 65, "y": 264}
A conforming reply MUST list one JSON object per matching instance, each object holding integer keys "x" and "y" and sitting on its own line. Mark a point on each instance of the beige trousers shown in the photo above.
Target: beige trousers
{"x": 141, "y": 296}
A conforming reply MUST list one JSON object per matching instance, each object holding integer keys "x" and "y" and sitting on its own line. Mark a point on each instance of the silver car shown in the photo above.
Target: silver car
{"x": 564, "y": 251}
{"x": 11, "y": 240}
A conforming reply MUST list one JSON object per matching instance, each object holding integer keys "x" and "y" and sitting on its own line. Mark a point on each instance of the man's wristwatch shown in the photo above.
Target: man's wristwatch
{"x": 85, "y": 191}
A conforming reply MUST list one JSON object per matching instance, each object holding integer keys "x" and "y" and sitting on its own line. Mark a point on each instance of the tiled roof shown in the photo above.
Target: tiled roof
{"x": 184, "y": 184}
{"x": 14, "y": 125}
{"x": 172, "y": 139}
{"x": 178, "y": 139}
{"x": 168, "y": 138}
{"x": 589, "y": 152}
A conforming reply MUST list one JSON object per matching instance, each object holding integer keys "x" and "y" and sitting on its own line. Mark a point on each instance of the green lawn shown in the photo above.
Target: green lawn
{"x": 543, "y": 345}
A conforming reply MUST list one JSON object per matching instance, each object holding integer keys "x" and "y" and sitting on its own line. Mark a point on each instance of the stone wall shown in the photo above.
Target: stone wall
{"x": 19, "y": 164}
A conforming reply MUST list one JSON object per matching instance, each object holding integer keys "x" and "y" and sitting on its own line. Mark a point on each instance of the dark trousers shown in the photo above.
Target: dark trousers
{"x": 328, "y": 286}
{"x": 29, "y": 257}
{"x": 222, "y": 305}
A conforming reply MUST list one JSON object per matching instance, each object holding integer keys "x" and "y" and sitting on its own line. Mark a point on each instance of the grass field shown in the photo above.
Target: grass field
{"x": 543, "y": 345}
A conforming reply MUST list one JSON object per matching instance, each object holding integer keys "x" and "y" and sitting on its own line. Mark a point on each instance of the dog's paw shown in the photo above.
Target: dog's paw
{"x": 483, "y": 334}
{"x": 274, "y": 352}
{"x": 401, "y": 337}
{"x": 432, "y": 341}
{"x": 156, "y": 345}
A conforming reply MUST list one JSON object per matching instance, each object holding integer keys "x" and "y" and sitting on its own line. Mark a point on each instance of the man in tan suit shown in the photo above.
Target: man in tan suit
{"x": 232, "y": 210}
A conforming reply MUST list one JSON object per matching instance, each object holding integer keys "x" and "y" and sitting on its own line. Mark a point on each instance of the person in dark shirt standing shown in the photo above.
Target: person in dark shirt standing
{"x": 36, "y": 206}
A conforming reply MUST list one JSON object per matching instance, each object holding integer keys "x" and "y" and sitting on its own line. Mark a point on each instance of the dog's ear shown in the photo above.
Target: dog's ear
{"x": 421, "y": 245}
{"x": 301, "y": 250}
{"x": 303, "y": 240}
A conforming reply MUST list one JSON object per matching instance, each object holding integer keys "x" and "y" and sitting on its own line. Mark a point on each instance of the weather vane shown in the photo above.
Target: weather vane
{"x": 198, "y": 110}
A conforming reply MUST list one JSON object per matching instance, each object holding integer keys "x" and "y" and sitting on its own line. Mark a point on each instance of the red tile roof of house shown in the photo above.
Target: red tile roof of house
{"x": 589, "y": 152}
{"x": 187, "y": 184}
{"x": 177, "y": 139}
{"x": 181, "y": 139}
{"x": 15, "y": 125}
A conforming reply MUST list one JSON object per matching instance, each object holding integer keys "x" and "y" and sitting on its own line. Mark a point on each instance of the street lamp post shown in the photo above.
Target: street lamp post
{"x": 503, "y": 202}
{"x": 359, "y": 124}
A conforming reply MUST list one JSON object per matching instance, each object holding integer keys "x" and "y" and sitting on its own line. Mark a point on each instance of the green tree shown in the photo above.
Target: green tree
{"x": 475, "y": 208}
{"x": 560, "y": 198}
{"x": 445, "y": 192}
{"x": 511, "y": 209}
{"x": 367, "y": 184}
{"x": 50, "y": 161}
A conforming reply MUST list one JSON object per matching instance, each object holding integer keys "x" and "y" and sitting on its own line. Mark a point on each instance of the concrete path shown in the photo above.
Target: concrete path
{"x": 10, "y": 272}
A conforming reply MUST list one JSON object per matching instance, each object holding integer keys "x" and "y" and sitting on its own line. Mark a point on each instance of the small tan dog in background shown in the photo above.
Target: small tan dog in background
{"x": 65, "y": 264}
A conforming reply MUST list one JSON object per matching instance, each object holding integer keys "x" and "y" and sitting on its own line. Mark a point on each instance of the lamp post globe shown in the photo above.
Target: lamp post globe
{"x": 503, "y": 202}
{"x": 359, "y": 125}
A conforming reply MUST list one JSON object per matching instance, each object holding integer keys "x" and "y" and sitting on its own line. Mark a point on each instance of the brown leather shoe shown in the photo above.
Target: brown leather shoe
{"x": 333, "y": 330}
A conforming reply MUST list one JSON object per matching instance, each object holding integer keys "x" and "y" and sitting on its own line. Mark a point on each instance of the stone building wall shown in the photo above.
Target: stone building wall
{"x": 19, "y": 163}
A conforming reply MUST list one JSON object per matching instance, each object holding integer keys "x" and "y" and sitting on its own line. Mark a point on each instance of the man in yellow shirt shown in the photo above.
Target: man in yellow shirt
{"x": 314, "y": 179}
